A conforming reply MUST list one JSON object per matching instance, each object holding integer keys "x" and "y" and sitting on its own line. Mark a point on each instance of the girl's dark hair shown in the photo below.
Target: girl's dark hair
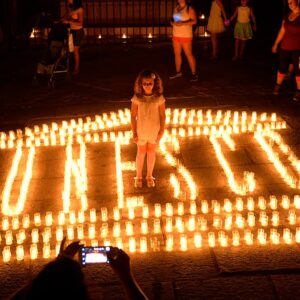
{"x": 77, "y": 4}
{"x": 157, "y": 88}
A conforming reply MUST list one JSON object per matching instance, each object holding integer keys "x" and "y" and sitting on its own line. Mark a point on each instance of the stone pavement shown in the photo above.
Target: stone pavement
{"x": 105, "y": 84}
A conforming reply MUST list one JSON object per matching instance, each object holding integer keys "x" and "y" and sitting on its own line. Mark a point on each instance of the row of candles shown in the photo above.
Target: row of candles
{"x": 114, "y": 120}
{"x": 172, "y": 242}
{"x": 131, "y": 213}
{"x": 154, "y": 226}
{"x": 64, "y": 137}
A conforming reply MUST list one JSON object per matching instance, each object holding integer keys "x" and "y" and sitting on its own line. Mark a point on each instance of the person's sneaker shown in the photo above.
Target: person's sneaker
{"x": 175, "y": 75}
{"x": 276, "y": 89}
{"x": 194, "y": 78}
{"x": 297, "y": 96}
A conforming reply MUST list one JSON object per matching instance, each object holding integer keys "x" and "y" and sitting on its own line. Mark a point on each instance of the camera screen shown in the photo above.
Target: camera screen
{"x": 92, "y": 255}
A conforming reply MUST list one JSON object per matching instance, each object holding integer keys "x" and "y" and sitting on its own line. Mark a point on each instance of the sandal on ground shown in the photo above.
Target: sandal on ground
{"x": 138, "y": 182}
{"x": 150, "y": 182}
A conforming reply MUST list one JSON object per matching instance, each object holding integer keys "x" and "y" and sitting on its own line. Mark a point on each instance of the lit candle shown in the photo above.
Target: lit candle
{"x": 169, "y": 242}
{"x": 263, "y": 218}
{"x": 204, "y": 207}
{"x": 70, "y": 232}
{"x": 183, "y": 242}
{"x": 37, "y": 219}
{"x": 157, "y": 210}
{"x": 119, "y": 243}
{"x": 192, "y": 223}
{"x": 239, "y": 204}
{"x": 169, "y": 209}
{"x": 81, "y": 216}
{"x": 198, "y": 240}
{"x": 193, "y": 207}
{"x": 143, "y": 244}
{"x": 8, "y": 237}
{"x": 274, "y": 237}
{"x": 202, "y": 223}
{"x": 129, "y": 228}
{"x": 297, "y": 235}
{"x": 144, "y": 226}
{"x": 292, "y": 217}
{"x": 92, "y": 231}
{"x": 262, "y": 203}
{"x": 35, "y": 235}
{"x": 250, "y": 204}
{"x": 275, "y": 218}
{"x": 227, "y": 205}
{"x": 251, "y": 219}
{"x": 48, "y": 218}
{"x": 235, "y": 238}
{"x": 61, "y": 218}
{"x": 145, "y": 212}
{"x": 287, "y": 236}
{"x": 20, "y": 252}
{"x": 116, "y": 229}
{"x": 228, "y": 222}
{"x": 131, "y": 214}
{"x": 273, "y": 202}
{"x": 5, "y": 223}
{"x": 46, "y": 235}
{"x": 104, "y": 214}
{"x": 46, "y": 251}
{"x": 33, "y": 251}
{"x": 80, "y": 232}
{"x": 72, "y": 217}
{"x": 132, "y": 244}
{"x": 223, "y": 239}
{"x": 179, "y": 224}
{"x": 248, "y": 237}
{"x": 93, "y": 215}
{"x": 59, "y": 234}
{"x": 285, "y": 203}
{"x": 261, "y": 237}
{"x": 116, "y": 212}
{"x": 297, "y": 201}
{"x": 211, "y": 239}
{"x": 156, "y": 226}
{"x": 26, "y": 221}
{"x": 216, "y": 206}
{"x": 6, "y": 254}
{"x": 217, "y": 222}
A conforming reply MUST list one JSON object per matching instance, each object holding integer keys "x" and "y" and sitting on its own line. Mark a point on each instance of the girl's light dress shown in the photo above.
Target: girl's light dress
{"x": 148, "y": 120}
{"x": 215, "y": 22}
{"x": 243, "y": 29}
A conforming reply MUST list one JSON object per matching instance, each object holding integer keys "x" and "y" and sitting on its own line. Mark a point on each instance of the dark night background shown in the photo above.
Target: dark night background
{"x": 18, "y": 17}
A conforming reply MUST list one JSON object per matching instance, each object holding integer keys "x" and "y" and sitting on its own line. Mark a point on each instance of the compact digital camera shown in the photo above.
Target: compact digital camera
{"x": 94, "y": 255}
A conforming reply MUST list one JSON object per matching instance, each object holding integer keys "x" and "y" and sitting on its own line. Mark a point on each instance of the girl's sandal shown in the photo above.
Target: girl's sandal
{"x": 138, "y": 182}
{"x": 150, "y": 182}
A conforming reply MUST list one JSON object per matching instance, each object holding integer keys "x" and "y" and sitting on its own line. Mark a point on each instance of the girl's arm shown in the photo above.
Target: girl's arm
{"x": 234, "y": 15}
{"x": 219, "y": 2}
{"x": 253, "y": 19}
{"x": 162, "y": 119}
{"x": 134, "y": 110}
{"x": 191, "y": 21}
{"x": 279, "y": 38}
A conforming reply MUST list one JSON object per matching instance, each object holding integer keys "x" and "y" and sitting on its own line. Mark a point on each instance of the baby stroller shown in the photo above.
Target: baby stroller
{"x": 55, "y": 58}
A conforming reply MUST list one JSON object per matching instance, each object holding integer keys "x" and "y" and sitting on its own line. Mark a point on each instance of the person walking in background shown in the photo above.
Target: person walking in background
{"x": 289, "y": 39}
{"x": 147, "y": 122}
{"x": 216, "y": 25}
{"x": 242, "y": 29}
{"x": 184, "y": 17}
{"x": 74, "y": 17}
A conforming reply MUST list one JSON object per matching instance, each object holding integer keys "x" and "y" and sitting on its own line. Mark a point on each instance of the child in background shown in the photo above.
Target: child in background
{"x": 147, "y": 122}
{"x": 215, "y": 25}
{"x": 242, "y": 30}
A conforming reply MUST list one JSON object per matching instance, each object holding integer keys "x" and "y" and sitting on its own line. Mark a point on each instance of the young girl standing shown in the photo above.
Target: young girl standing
{"x": 215, "y": 25}
{"x": 147, "y": 122}
{"x": 242, "y": 30}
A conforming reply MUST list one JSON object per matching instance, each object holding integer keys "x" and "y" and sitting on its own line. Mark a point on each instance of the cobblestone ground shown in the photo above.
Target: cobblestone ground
{"x": 105, "y": 84}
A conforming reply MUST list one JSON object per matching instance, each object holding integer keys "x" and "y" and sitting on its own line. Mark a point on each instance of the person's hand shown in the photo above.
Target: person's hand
{"x": 71, "y": 250}
{"x": 274, "y": 48}
{"x": 119, "y": 262}
{"x": 135, "y": 138}
{"x": 159, "y": 136}
{"x": 227, "y": 22}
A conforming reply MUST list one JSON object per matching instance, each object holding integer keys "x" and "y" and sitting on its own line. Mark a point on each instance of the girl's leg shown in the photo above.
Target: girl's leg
{"x": 140, "y": 157}
{"x": 151, "y": 155}
{"x": 188, "y": 50}
{"x": 236, "y": 49}
{"x": 284, "y": 59}
{"x": 177, "y": 54}
{"x": 76, "y": 59}
{"x": 214, "y": 43}
{"x": 296, "y": 59}
{"x": 242, "y": 48}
